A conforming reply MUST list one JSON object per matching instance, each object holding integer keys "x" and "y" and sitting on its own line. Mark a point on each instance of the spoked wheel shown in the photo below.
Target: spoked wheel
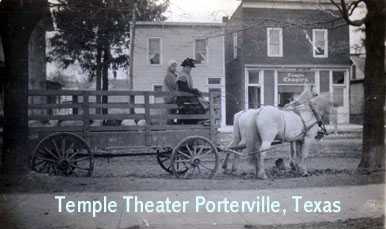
{"x": 163, "y": 158}
{"x": 194, "y": 156}
{"x": 63, "y": 154}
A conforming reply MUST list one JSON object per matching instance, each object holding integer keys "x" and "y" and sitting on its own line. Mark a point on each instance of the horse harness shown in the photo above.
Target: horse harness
{"x": 319, "y": 121}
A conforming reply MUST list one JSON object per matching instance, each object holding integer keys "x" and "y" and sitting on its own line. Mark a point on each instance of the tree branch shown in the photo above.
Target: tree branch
{"x": 346, "y": 10}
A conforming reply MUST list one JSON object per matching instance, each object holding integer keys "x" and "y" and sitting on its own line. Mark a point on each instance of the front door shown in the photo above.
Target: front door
{"x": 339, "y": 89}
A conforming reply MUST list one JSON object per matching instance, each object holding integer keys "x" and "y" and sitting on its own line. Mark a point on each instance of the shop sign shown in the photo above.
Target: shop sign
{"x": 296, "y": 77}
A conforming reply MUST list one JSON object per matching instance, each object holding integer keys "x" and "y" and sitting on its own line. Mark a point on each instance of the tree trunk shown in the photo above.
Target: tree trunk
{"x": 374, "y": 89}
{"x": 105, "y": 75}
{"x": 98, "y": 79}
{"x": 16, "y": 28}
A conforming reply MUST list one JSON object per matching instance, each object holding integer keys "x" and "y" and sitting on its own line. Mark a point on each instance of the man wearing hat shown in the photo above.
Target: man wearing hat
{"x": 185, "y": 84}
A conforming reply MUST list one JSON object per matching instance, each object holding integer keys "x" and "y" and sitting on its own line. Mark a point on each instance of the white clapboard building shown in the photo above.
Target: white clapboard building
{"x": 156, "y": 43}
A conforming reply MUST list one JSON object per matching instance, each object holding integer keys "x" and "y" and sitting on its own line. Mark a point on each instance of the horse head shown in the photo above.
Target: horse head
{"x": 322, "y": 104}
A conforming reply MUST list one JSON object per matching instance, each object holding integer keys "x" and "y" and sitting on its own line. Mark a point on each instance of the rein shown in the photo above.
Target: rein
{"x": 318, "y": 121}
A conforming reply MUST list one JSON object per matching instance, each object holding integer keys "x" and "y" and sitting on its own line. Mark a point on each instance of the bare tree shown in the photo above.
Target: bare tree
{"x": 373, "y": 146}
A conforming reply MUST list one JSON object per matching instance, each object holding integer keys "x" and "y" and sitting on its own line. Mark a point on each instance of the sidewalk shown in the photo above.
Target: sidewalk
{"x": 41, "y": 210}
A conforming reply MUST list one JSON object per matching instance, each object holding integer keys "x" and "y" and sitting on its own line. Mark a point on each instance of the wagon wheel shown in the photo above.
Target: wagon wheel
{"x": 63, "y": 154}
{"x": 194, "y": 156}
{"x": 163, "y": 158}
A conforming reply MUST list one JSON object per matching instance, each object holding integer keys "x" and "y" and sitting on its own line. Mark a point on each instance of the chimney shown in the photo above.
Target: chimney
{"x": 225, "y": 19}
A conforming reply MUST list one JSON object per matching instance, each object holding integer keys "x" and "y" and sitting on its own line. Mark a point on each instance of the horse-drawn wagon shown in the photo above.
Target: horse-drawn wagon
{"x": 66, "y": 137}
{"x": 69, "y": 141}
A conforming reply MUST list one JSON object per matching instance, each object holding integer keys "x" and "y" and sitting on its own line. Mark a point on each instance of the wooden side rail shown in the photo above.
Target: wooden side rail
{"x": 82, "y": 106}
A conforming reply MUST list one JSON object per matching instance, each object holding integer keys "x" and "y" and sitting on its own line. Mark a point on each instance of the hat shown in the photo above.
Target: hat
{"x": 188, "y": 62}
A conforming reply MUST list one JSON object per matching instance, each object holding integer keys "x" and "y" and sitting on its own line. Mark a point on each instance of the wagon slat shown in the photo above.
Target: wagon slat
{"x": 133, "y": 119}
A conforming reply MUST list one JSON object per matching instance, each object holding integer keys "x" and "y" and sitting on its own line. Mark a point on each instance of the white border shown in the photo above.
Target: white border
{"x": 269, "y": 54}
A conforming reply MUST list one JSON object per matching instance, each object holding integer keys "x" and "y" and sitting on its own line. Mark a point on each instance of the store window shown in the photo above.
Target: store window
{"x": 320, "y": 42}
{"x": 154, "y": 51}
{"x": 338, "y": 87}
{"x": 275, "y": 42}
{"x": 201, "y": 51}
{"x": 254, "y": 89}
{"x": 291, "y": 84}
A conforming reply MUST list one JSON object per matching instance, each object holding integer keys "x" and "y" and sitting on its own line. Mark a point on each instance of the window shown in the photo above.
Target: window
{"x": 338, "y": 88}
{"x": 235, "y": 45}
{"x": 320, "y": 42}
{"x": 338, "y": 77}
{"x": 201, "y": 51}
{"x": 253, "y": 89}
{"x": 275, "y": 42}
{"x": 214, "y": 81}
{"x": 154, "y": 51}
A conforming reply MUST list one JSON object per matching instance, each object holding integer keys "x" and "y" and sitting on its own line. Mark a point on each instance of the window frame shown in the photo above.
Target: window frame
{"x": 314, "y": 54}
{"x": 214, "y": 78}
{"x": 258, "y": 85}
{"x": 235, "y": 45}
{"x": 207, "y": 50}
{"x": 269, "y": 51}
{"x": 148, "y": 51}
{"x": 343, "y": 86}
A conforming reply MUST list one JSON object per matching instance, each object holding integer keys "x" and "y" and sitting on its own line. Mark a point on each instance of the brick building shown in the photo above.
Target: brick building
{"x": 273, "y": 47}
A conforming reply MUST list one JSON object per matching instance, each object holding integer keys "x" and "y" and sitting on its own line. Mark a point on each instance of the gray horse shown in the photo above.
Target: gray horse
{"x": 298, "y": 124}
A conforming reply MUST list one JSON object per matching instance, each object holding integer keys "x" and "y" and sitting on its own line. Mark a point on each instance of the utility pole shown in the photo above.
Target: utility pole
{"x": 131, "y": 44}
{"x": 131, "y": 60}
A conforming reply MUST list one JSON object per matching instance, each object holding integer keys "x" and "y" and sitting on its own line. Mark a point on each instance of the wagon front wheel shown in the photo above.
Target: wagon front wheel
{"x": 194, "y": 157}
{"x": 63, "y": 154}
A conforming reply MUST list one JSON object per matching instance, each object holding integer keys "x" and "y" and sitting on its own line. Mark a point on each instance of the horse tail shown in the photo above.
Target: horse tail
{"x": 236, "y": 130}
{"x": 256, "y": 119}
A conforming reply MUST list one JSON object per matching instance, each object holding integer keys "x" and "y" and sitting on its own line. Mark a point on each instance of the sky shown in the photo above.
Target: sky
{"x": 200, "y": 10}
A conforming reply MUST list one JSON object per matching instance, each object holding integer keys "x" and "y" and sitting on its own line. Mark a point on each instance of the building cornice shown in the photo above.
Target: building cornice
{"x": 182, "y": 24}
{"x": 290, "y": 4}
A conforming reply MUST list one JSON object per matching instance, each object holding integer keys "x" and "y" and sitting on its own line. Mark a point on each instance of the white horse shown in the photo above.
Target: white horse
{"x": 298, "y": 123}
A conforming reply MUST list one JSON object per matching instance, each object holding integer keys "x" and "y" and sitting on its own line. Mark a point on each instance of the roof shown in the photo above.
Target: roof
{"x": 289, "y": 4}
{"x": 291, "y": 1}
{"x": 182, "y": 24}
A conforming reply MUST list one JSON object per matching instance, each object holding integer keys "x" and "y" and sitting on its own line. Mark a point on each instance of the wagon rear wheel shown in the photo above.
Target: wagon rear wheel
{"x": 63, "y": 154}
{"x": 194, "y": 157}
{"x": 163, "y": 158}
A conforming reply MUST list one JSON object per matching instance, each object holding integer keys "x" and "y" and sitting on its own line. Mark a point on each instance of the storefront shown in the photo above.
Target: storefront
{"x": 278, "y": 85}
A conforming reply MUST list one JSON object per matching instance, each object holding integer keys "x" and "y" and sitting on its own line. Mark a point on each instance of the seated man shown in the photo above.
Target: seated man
{"x": 188, "y": 104}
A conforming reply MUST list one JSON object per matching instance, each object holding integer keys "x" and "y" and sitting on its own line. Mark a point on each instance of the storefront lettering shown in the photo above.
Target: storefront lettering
{"x": 295, "y": 78}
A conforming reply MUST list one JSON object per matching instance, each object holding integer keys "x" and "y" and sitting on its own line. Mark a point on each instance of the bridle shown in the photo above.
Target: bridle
{"x": 319, "y": 121}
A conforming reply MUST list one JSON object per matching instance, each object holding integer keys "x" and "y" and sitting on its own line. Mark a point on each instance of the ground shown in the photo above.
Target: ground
{"x": 332, "y": 164}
